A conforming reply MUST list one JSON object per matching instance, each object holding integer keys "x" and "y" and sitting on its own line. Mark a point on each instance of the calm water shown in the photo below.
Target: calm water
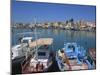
{"x": 83, "y": 38}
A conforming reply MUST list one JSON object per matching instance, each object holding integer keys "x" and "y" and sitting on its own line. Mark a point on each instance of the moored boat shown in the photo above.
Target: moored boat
{"x": 92, "y": 53}
{"x": 19, "y": 50}
{"x": 41, "y": 58}
{"x": 72, "y": 57}
{"x": 92, "y": 56}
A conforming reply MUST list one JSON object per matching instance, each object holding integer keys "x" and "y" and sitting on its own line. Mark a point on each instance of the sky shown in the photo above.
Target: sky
{"x": 22, "y": 11}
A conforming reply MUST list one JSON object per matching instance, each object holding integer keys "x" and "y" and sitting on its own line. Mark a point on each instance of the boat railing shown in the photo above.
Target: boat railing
{"x": 25, "y": 63}
{"x": 89, "y": 65}
{"x": 65, "y": 59}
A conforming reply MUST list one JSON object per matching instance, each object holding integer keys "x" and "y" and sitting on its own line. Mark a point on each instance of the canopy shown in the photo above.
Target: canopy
{"x": 40, "y": 42}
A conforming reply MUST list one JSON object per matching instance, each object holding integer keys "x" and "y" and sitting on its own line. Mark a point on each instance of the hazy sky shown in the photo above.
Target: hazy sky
{"x": 26, "y": 11}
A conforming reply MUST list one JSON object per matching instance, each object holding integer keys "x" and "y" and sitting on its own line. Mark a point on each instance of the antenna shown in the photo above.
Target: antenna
{"x": 36, "y": 38}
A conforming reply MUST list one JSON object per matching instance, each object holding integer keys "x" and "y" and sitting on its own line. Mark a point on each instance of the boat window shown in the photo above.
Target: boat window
{"x": 71, "y": 47}
{"x": 41, "y": 53}
{"x": 72, "y": 58}
{"x": 25, "y": 41}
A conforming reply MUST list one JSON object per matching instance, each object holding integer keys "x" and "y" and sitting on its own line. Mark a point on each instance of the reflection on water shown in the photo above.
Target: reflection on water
{"x": 83, "y": 38}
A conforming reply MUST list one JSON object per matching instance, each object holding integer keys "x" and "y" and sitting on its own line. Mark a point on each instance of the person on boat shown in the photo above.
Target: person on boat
{"x": 46, "y": 46}
{"x": 65, "y": 59}
{"x": 60, "y": 53}
{"x": 51, "y": 55}
{"x": 39, "y": 67}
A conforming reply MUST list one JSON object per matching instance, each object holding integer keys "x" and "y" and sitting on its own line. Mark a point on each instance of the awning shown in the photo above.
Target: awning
{"x": 40, "y": 42}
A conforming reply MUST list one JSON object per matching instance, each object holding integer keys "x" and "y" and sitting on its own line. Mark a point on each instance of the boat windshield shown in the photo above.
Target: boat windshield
{"x": 25, "y": 41}
{"x": 72, "y": 58}
{"x": 42, "y": 55}
{"x": 71, "y": 47}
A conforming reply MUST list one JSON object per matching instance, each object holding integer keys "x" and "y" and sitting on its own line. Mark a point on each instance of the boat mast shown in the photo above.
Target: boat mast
{"x": 36, "y": 39}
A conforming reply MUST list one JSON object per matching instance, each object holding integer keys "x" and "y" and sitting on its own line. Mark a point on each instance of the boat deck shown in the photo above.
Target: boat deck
{"x": 27, "y": 68}
{"x": 31, "y": 69}
{"x": 73, "y": 63}
{"x": 75, "y": 66}
{"x": 92, "y": 53}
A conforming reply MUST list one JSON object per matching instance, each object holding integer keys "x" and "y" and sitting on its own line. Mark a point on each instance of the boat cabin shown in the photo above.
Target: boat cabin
{"x": 71, "y": 50}
{"x": 41, "y": 58}
{"x": 27, "y": 40}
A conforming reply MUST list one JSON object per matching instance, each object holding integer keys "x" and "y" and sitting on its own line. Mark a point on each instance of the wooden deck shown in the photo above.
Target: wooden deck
{"x": 76, "y": 66}
{"x": 92, "y": 53}
{"x": 72, "y": 64}
{"x": 27, "y": 68}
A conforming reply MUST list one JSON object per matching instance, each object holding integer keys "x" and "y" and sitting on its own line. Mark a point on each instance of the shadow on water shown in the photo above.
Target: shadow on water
{"x": 54, "y": 67}
{"x": 16, "y": 65}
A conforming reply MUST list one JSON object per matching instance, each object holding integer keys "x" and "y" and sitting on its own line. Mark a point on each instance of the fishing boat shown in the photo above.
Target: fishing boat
{"x": 92, "y": 56}
{"x": 40, "y": 59}
{"x": 20, "y": 49}
{"x": 72, "y": 57}
{"x": 92, "y": 53}
{"x": 39, "y": 55}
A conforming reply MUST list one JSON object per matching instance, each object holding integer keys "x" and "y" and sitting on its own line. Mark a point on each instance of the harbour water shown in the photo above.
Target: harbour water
{"x": 83, "y": 38}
